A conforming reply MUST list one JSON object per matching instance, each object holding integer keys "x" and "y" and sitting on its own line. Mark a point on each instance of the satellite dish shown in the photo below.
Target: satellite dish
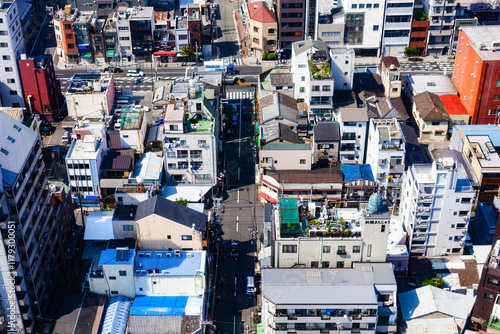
{"x": 140, "y": 180}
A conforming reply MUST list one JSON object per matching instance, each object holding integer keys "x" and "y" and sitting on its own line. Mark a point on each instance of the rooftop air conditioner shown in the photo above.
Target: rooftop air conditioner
{"x": 160, "y": 255}
{"x": 169, "y": 254}
{"x": 148, "y": 254}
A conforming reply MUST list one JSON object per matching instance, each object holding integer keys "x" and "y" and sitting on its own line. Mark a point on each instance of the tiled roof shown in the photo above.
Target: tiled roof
{"x": 259, "y": 12}
{"x": 113, "y": 140}
{"x": 116, "y": 162}
{"x": 320, "y": 175}
{"x": 389, "y": 60}
{"x": 326, "y": 132}
{"x": 430, "y": 107}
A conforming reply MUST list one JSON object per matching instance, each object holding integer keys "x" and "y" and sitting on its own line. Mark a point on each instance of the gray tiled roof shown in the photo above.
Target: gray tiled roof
{"x": 16, "y": 143}
{"x": 171, "y": 210}
{"x": 326, "y": 132}
{"x": 302, "y": 46}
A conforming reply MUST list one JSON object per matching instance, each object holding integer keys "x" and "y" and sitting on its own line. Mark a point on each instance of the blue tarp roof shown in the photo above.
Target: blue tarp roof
{"x": 165, "y": 306}
{"x": 353, "y": 172}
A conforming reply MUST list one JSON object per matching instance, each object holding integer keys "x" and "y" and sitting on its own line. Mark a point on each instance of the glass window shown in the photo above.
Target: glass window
{"x": 496, "y": 97}
{"x": 341, "y": 250}
{"x": 112, "y": 278}
{"x": 289, "y": 248}
{"x": 325, "y": 264}
{"x": 356, "y": 249}
{"x": 123, "y": 273}
{"x": 187, "y": 237}
{"x": 128, "y": 227}
{"x": 375, "y": 5}
{"x": 340, "y": 264}
{"x": 302, "y": 161}
{"x": 314, "y": 264}
{"x": 362, "y": 5}
{"x": 375, "y": 27}
{"x": 326, "y": 249}
{"x": 354, "y": 6}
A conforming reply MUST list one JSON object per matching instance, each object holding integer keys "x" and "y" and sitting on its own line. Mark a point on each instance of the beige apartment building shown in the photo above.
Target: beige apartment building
{"x": 262, "y": 29}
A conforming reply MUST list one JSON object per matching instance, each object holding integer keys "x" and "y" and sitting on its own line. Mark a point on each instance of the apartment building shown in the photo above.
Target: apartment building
{"x": 476, "y": 75}
{"x": 313, "y": 76}
{"x": 391, "y": 76}
{"x": 342, "y": 67}
{"x": 353, "y": 133}
{"x": 397, "y": 27}
{"x": 364, "y": 23}
{"x": 12, "y": 47}
{"x": 164, "y": 36}
{"x": 83, "y": 163}
{"x": 191, "y": 132}
{"x": 291, "y": 20}
{"x": 124, "y": 272}
{"x": 385, "y": 154}
{"x": 90, "y": 94}
{"x": 479, "y": 147}
{"x": 82, "y": 29}
{"x": 111, "y": 43}
{"x": 362, "y": 298}
{"x": 41, "y": 87}
{"x": 331, "y": 242}
{"x": 65, "y": 34}
{"x": 141, "y": 32}
{"x": 261, "y": 29}
{"x": 97, "y": 43}
{"x": 418, "y": 36}
{"x": 42, "y": 233}
{"x": 435, "y": 208}
{"x": 133, "y": 128}
{"x": 437, "y": 84}
{"x": 441, "y": 23}
{"x": 326, "y": 138}
{"x": 330, "y": 25}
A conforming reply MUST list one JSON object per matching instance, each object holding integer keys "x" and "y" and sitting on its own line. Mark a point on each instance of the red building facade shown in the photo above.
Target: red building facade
{"x": 41, "y": 87}
{"x": 418, "y": 36}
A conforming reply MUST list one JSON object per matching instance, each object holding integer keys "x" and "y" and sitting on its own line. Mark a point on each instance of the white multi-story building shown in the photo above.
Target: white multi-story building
{"x": 441, "y": 23}
{"x": 90, "y": 94}
{"x": 397, "y": 27}
{"x": 349, "y": 300}
{"x": 133, "y": 127}
{"x": 435, "y": 207}
{"x": 353, "y": 125}
{"x": 83, "y": 162}
{"x": 364, "y": 23}
{"x": 386, "y": 154}
{"x": 313, "y": 76}
{"x": 191, "y": 131}
{"x": 342, "y": 65}
{"x": 124, "y": 41}
{"x": 11, "y": 48}
{"x": 121, "y": 271}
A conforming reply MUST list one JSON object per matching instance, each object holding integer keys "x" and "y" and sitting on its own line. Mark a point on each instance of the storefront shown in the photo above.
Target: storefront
{"x": 166, "y": 56}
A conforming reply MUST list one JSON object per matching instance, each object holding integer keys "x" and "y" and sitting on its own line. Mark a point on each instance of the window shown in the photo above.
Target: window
{"x": 368, "y": 5}
{"x": 128, "y": 227}
{"x": 112, "y": 278}
{"x": 496, "y": 97}
{"x": 375, "y": 5}
{"x": 395, "y": 89}
{"x": 270, "y": 31}
{"x": 315, "y": 88}
{"x": 11, "y": 80}
{"x": 314, "y": 264}
{"x": 291, "y": 5}
{"x": 326, "y": 88}
{"x": 302, "y": 161}
{"x": 302, "y": 78}
{"x": 341, "y": 250}
{"x": 493, "y": 111}
{"x": 114, "y": 292}
{"x": 4, "y": 45}
{"x": 13, "y": 92}
{"x": 369, "y": 251}
{"x": 489, "y": 297}
{"x": 340, "y": 264}
{"x": 67, "y": 26}
{"x": 493, "y": 281}
{"x": 325, "y": 264}
{"x": 6, "y": 57}
{"x": 354, "y": 6}
{"x": 375, "y": 27}
{"x": 8, "y": 69}
{"x": 256, "y": 29}
{"x": 123, "y": 273}
{"x": 69, "y": 36}
{"x": 302, "y": 89}
{"x": 289, "y": 248}
{"x": 382, "y": 228}
{"x": 125, "y": 38}
{"x": 1, "y": 20}
{"x": 356, "y": 249}
{"x": 362, "y": 5}
{"x": 397, "y": 33}
{"x": 122, "y": 28}
{"x": 71, "y": 46}
{"x": 187, "y": 237}
{"x": 354, "y": 27}
{"x": 326, "y": 249}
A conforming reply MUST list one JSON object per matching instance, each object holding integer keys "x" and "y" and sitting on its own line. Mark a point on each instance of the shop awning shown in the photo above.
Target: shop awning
{"x": 165, "y": 53}
{"x": 128, "y": 55}
{"x": 111, "y": 54}
{"x": 83, "y": 46}
{"x": 87, "y": 55}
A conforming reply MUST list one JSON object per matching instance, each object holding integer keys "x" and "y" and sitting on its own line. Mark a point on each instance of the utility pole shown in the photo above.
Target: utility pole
{"x": 196, "y": 53}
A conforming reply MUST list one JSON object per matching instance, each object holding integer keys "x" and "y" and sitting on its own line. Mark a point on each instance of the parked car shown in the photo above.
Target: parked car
{"x": 159, "y": 122}
{"x": 66, "y": 139}
{"x": 135, "y": 73}
{"x": 235, "y": 251}
{"x": 46, "y": 129}
{"x": 113, "y": 69}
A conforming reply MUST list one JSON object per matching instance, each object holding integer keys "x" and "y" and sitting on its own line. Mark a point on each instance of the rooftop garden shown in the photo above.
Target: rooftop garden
{"x": 198, "y": 125}
{"x": 334, "y": 228}
{"x": 419, "y": 15}
{"x": 320, "y": 69}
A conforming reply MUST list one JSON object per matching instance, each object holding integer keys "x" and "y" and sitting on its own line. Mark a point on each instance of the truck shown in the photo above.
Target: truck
{"x": 234, "y": 252}
{"x": 230, "y": 69}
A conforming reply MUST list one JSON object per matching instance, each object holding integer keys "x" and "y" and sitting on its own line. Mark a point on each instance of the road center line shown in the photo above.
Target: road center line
{"x": 238, "y": 200}
{"x": 235, "y": 287}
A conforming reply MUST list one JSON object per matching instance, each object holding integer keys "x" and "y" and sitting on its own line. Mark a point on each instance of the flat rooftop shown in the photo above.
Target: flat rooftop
{"x": 141, "y": 13}
{"x": 116, "y": 257}
{"x": 486, "y": 152}
{"x": 83, "y": 17}
{"x": 90, "y": 82}
{"x": 125, "y": 212}
{"x": 437, "y": 84}
{"x": 486, "y": 35}
{"x": 174, "y": 114}
{"x": 80, "y": 149}
{"x": 172, "y": 263}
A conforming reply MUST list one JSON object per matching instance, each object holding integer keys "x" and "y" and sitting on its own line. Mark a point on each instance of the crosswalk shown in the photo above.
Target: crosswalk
{"x": 235, "y": 61}
{"x": 239, "y": 95}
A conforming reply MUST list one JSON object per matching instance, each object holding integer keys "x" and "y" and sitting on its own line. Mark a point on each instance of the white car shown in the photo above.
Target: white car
{"x": 135, "y": 73}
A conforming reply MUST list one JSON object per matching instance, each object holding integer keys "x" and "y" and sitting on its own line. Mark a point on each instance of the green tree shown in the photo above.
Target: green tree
{"x": 437, "y": 281}
{"x": 264, "y": 56}
{"x": 410, "y": 51}
{"x": 182, "y": 201}
{"x": 186, "y": 53}
{"x": 271, "y": 56}
{"x": 419, "y": 15}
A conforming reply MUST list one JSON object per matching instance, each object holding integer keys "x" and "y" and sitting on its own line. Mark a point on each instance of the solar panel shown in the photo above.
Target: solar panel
{"x": 320, "y": 53}
{"x": 490, "y": 147}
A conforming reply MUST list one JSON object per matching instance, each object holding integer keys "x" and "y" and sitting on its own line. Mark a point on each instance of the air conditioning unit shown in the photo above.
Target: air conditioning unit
{"x": 143, "y": 271}
{"x": 463, "y": 230}
{"x": 169, "y": 254}
{"x": 443, "y": 253}
{"x": 137, "y": 272}
{"x": 164, "y": 271}
{"x": 148, "y": 254}
{"x": 159, "y": 255}
{"x": 189, "y": 255}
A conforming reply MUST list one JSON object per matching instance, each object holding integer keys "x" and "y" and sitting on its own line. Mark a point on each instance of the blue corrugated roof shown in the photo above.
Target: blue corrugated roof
{"x": 491, "y": 130}
{"x": 109, "y": 257}
{"x": 353, "y": 172}
{"x": 165, "y": 306}
{"x": 185, "y": 263}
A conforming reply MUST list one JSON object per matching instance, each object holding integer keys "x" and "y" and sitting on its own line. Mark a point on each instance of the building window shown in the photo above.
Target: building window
{"x": 69, "y": 36}
{"x": 13, "y": 92}
{"x": 314, "y": 264}
{"x": 375, "y": 5}
{"x": 67, "y": 26}
{"x": 493, "y": 281}
{"x": 325, "y": 264}
{"x": 6, "y": 57}
{"x": 354, "y": 6}
{"x": 356, "y": 249}
{"x": 71, "y": 46}
{"x": 4, "y": 45}
{"x": 368, "y": 5}
{"x": 11, "y": 80}
{"x": 369, "y": 251}
{"x": 302, "y": 161}
{"x": 326, "y": 88}
{"x": 489, "y": 297}
{"x": 255, "y": 40}
{"x": 302, "y": 78}
{"x": 8, "y": 69}
{"x": 382, "y": 228}
{"x": 125, "y": 38}
{"x": 123, "y": 273}
{"x": 112, "y": 278}
{"x": 187, "y": 237}
{"x": 496, "y": 97}
{"x": 169, "y": 236}
{"x": 341, "y": 250}
{"x": 361, "y": 5}
{"x": 114, "y": 292}
{"x": 340, "y": 264}
{"x": 493, "y": 111}
{"x": 128, "y": 227}
{"x": 302, "y": 89}
{"x": 375, "y": 27}
{"x": 289, "y": 248}
{"x": 326, "y": 249}
{"x": 122, "y": 28}
{"x": 256, "y": 29}
{"x": 394, "y": 89}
